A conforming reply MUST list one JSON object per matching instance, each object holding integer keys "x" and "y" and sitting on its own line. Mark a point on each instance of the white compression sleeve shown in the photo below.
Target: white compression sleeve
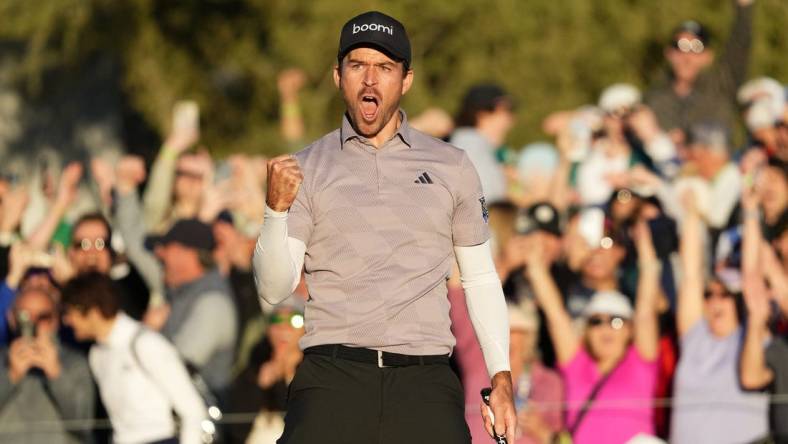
{"x": 277, "y": 259}
{"x": 486, "y": 304}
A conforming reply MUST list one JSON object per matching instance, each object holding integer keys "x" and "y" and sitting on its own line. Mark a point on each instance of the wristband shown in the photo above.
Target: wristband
{"x": 291, "y": 110}
{"x": 168, "y": 153}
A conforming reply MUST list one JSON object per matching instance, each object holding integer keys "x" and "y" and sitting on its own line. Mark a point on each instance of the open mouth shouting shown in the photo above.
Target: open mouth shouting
{"x": 369, "y": 107}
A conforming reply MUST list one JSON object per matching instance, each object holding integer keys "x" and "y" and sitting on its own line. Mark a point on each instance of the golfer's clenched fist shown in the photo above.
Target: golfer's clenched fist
{"x": 284, "y": 178}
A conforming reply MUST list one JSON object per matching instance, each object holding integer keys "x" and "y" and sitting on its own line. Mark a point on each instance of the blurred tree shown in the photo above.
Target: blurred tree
{"x": 225, "y": 54}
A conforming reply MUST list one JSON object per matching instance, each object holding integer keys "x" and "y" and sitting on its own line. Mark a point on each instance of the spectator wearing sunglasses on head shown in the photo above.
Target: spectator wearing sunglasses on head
{"x": 42, "y": 381}
{"x": 693, "y": 90}
{"x": 609, "y": 367}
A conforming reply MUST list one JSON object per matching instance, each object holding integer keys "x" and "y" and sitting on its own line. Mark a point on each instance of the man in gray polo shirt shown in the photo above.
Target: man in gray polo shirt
{"x": 376, "y": 212}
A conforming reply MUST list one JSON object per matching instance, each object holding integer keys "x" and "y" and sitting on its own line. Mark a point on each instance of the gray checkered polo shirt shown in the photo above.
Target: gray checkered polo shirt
{"x": 379, "y": 227}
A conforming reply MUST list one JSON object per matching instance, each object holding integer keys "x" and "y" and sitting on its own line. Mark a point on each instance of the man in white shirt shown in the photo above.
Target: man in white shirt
{"x": 140, "y": 376}
{"x": 485, "y": 119}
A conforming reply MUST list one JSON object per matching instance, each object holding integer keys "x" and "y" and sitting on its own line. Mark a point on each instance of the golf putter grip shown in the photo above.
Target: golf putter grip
{"x": 499, "y": 439}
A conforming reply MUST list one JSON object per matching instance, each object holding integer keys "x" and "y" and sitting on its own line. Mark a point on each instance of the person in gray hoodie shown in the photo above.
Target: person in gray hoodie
{"x": 42, "y": 382}
{"x": 201, "y": 320}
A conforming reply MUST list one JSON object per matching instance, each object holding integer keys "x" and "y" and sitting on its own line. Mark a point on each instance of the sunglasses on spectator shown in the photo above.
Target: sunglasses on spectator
{"x": 44, "y": 316}
{"x": 689, "y": 45}
{"x": 88, "y": 244}
{"x": 189, "y": 174}
{"x": 621, "y": 112}
{"x": 615, "y": 322}
{"x": 296, "y": 320}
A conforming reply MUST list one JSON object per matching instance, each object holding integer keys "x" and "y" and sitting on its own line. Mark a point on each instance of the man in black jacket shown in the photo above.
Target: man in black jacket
{"x": 694, "y": 91}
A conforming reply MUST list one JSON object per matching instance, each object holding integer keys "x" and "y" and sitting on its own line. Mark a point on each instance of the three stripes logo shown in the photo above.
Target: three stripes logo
{"x": 423, "y": 178}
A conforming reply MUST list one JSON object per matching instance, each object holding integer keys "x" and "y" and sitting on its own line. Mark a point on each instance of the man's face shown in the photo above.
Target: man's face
{"x": 687, "y": 64}
{"x": 41, "y": 311}
{"x": 80, "y": 323}
{"x": 500, "y": 120}
{"x": 89, "y": 250}
{"x": 175, "y": 258}
{"x": 707, "y": 159}
{"x": 372, "y": 85}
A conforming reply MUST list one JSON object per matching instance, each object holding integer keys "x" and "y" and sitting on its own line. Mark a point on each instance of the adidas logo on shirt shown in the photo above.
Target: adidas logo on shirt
{"x": 423, "y": 178}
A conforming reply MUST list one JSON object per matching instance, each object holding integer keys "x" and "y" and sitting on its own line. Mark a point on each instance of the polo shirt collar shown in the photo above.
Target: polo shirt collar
{"x": 347, "y": 132}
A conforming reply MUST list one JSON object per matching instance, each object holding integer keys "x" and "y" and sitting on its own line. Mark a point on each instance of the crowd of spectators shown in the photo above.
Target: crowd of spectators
{"x": 644, "y": 258}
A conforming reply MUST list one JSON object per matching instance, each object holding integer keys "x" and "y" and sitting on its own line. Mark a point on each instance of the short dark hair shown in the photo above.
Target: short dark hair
{"x": 479, "y": 98}
{"x": 92, "y": 290}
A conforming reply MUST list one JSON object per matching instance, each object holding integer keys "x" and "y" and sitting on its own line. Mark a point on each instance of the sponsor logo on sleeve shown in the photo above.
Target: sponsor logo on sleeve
{"x": 485, "y": 212}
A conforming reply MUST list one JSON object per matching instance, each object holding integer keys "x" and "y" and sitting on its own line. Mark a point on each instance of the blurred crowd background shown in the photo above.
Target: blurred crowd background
{"x": 634, "y": 156}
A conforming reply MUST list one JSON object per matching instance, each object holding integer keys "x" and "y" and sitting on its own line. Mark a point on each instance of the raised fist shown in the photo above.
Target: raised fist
{"x": 130, "y": 172}
{"x": 289, "y": 82}
{"x": 69, "y": 184}
{"x": 284, "y": 179}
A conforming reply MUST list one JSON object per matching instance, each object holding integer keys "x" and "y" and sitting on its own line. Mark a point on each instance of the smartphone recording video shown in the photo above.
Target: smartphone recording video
{"x": 186, "y": 116}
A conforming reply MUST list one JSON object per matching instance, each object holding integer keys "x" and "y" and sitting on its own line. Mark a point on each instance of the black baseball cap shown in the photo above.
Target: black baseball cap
{"x": 694, "y": 28}
{"x": 187, "y": 232}
{"x": 486, "y": 96}
{"x": 539, "y": 217}
{"x": 378, "y": 30}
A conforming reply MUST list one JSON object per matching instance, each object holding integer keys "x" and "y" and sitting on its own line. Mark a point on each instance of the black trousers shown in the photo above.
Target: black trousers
{"x": 336, "y": 401}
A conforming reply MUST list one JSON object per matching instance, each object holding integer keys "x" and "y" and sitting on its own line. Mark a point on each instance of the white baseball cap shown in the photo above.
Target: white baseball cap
{"x": 766, "y": 99}
{"x": 618, "y": 96}
{"x": 759, "y": 88}
{"x": 609, "y": 302}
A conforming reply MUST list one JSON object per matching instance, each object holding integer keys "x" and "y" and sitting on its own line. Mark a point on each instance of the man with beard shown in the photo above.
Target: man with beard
{"x": 374, "y": 211}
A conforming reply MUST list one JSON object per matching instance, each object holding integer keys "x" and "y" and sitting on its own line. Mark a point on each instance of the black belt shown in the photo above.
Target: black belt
{"x": 379, "y": 358}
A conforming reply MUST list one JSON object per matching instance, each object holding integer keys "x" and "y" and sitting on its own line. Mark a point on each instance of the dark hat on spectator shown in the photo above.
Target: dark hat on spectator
{"x": 694, "y": 28}
{"x": 539, "y": 217}
{"x": 485, "y": 96}
{"x": 187, "y": 232}
{"x": 481, "y": 97}
{"x": 378, "y": 30}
